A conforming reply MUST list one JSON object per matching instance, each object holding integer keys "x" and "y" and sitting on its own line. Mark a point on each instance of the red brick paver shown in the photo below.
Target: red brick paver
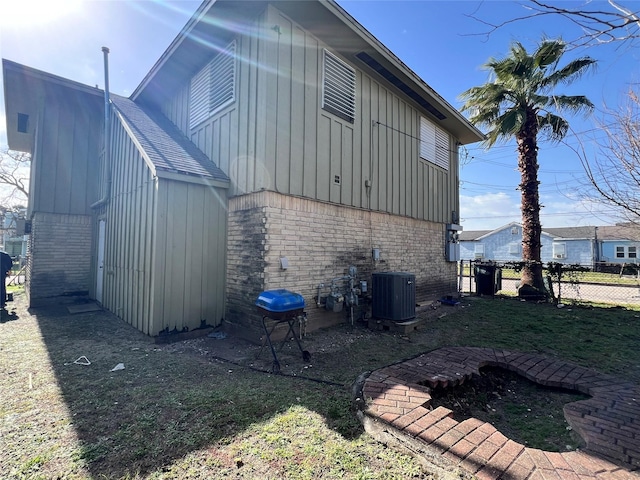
{"x": 608, "y": 422}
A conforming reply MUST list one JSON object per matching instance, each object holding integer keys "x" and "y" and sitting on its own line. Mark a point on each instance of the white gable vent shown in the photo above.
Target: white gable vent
{"x": 213, "y": 87}
{"x": 434, "y": 143}
{"x": 338, "y": 87}
{"x": 442, "y": 148}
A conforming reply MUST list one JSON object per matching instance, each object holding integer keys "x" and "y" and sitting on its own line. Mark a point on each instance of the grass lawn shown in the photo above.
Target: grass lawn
{"x": 181, "y": 411}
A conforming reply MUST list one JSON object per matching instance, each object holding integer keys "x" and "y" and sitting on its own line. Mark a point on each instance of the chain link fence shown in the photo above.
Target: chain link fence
{"x": 614, "y": 284}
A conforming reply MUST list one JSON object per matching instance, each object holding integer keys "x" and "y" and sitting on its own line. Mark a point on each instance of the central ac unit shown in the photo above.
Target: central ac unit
{"x": 393, "y": 296}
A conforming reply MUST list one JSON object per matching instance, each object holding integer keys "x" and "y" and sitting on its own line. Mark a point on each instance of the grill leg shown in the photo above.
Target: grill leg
{"x": 276, "y": 363}
{"x": 306, "y": 356}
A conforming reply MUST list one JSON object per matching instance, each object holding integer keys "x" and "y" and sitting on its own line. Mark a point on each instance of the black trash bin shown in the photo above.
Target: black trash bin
{"x": 488, "y": 279}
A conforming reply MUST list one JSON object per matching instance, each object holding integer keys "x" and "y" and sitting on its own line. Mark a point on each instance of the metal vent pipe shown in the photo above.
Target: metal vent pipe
{"x": 107, "y": 132}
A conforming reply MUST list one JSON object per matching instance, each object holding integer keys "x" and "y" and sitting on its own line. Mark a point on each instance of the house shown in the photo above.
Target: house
{"x": 272, "y": 145}
{"x": 12, "y": 240}
{"x": 569, "y": 245}
{"x": 619, "y": 243}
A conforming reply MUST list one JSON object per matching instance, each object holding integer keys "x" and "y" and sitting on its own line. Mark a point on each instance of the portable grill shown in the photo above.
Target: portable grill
{"x": 281, "y": 306}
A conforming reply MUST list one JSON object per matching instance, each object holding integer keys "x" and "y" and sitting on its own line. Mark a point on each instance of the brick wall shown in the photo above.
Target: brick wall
{"x": 246, "y": 233}
{"x": 320, "y": 241}
{"x": 59, "y": 256}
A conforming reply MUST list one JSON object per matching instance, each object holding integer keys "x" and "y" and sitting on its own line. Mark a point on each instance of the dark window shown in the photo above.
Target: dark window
{"x": 23, "y": 123}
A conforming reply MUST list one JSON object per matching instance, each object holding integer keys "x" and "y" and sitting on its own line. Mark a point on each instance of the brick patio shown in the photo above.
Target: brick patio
{"x": 394, "y": 407}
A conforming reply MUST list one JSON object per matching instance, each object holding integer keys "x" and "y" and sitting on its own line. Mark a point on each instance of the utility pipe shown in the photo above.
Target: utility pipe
{"x": 107, "y": 133}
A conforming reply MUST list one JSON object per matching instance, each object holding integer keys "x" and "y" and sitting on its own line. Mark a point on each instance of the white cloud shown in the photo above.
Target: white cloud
{"x": 574, "y": 211}
{"x": 493, "y": 210}
{"x": 488, "y": 211}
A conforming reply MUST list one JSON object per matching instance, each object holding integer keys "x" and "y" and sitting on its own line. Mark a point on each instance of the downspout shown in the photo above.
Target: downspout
{"x": 107, "y": 133}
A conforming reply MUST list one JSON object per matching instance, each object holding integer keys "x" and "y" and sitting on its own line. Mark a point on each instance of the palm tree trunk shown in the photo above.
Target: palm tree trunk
{"x": 530, "y": 204}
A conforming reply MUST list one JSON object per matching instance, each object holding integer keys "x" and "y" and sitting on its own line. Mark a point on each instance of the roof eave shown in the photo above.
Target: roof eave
{"x": 463, "y": 130}
{"x": 203, "y": 9}
{"x": 468, "y": 133}
{"x": 190, "y": 178}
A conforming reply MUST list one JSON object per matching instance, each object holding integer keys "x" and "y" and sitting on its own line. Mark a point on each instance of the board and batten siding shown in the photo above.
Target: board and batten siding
{"x": 276, "y": 136}
{"x": 164, "y": 257}
{"x": 66, "y": 153}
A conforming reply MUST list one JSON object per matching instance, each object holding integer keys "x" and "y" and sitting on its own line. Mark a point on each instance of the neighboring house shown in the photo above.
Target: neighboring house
{"x": 569, "y": 245}
{"x": 13, "y": 242}
{"x": 619, "y": 243}
{"x": 273, "y": 145}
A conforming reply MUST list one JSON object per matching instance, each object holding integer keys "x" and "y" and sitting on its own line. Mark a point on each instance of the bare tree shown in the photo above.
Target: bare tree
{"x": 14, "y": 177}
{"x": 613, "y": 171}
{"x": 612, "y": 22}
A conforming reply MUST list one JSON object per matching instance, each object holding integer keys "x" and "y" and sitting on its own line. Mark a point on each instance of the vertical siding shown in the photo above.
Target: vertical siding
{"x": 68, "y": 153}
{"x": 311, "y": 148}
{"x": 165, "y": 246}
{"x": 190, "y": 254}
{"x": 277, "y": 137}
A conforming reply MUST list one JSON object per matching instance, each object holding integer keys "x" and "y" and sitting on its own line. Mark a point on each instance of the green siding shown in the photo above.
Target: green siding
{"x": 164, "y": 267}
{"x": 276, "y": 136}
{"x": 66, "y": 153}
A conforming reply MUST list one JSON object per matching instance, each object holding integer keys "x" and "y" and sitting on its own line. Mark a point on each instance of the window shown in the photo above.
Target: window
{"x": 338, "y": 87}
{"x": 213, "y": 87}
{"x": 514, "y": 248}
{"x": 514, "y": 231}
{"x": 479, "y": 250}
{"x": 434, "y": 144}
{"x": 23, "y": 123}
{"x": 626, "y": 252}
{"x": 559, "y": 250}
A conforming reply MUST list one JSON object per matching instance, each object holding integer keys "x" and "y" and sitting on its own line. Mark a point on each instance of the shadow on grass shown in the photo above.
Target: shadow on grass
{"x": 164, "y": 404}
{"x": 171, "y": 401}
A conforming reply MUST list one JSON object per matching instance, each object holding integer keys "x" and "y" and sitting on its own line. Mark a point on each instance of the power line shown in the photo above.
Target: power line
{"x": 558, "y": 214}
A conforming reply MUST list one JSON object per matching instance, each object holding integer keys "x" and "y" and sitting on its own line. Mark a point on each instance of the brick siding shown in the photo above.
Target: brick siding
{"x": 320, "y": 241}
{"x": 59, "y": 256}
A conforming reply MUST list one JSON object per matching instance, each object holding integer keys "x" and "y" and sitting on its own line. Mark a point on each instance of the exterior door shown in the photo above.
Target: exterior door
{"x": 100, "y": 257}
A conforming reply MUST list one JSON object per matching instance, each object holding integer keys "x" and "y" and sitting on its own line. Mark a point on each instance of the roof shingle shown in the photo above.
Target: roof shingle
{"x": 166, "y": 146}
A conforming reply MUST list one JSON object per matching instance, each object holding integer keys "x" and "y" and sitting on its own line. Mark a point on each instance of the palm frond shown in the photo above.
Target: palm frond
{"x": 571, "y": 103}
{"x": 552, "y": 126}
{"x": 548, "y": 53}
{"x": 519, "y": 83}
{"x": 569, "y": 72}
{"x": 504, "y": 127}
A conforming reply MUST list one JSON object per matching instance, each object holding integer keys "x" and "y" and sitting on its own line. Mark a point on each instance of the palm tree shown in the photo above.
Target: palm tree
{"x": 518, "y": 102}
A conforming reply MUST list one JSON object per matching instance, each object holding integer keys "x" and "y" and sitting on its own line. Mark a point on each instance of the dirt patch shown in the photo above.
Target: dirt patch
{"x": 324, "y": 346}
{"x": 528, "y": 413}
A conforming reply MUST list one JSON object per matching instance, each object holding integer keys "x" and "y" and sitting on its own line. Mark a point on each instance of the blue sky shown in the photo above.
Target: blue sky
{"x": 437, "y": 39}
